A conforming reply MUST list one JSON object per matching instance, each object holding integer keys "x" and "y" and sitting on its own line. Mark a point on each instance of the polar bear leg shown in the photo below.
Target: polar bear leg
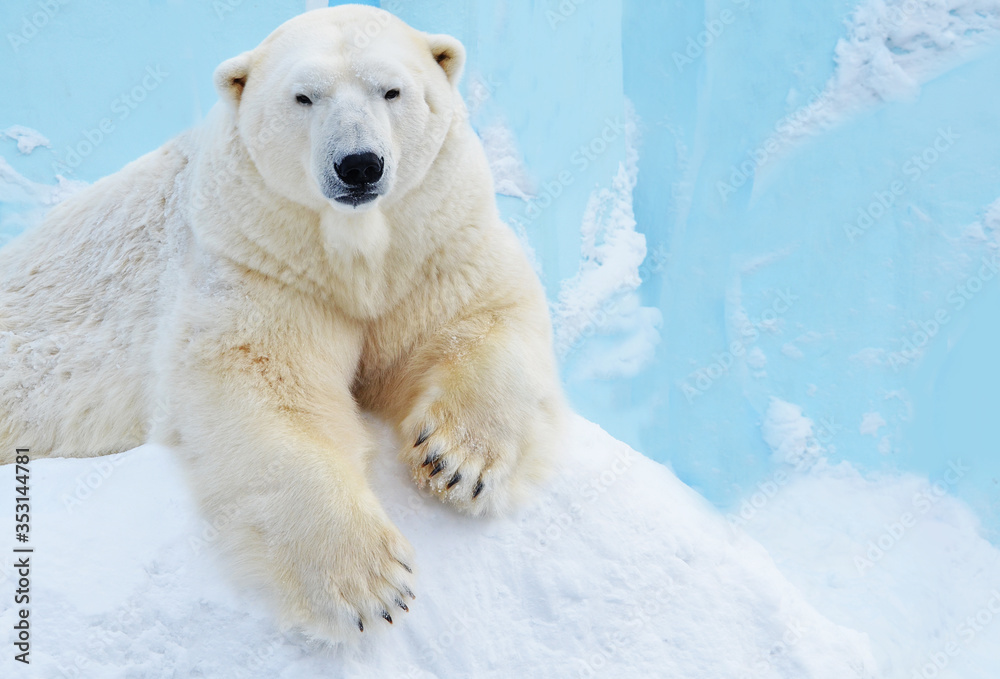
{"x": 485, "y": 418}
{"x": 275, "y": 449}
{"x": 295, "y": 512}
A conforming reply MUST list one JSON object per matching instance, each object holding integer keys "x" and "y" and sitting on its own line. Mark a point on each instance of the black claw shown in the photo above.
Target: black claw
{"x": 399, "y": 602}
{"x": 478, "y": 489}
{"x": 455, "y": 479}
{"x": 408, "y": 569}
{"x": 361, "y": 625}
{"x": 385, "y": 614}
{"x": 423, "y": 437}
{"x": 409, "y": 593}
{"x": 437, "y": 468}
{"x": 427, "y": 460}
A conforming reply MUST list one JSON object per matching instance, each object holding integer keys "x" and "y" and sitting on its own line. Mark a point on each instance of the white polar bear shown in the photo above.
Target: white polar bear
{"x": 326, "y": 241}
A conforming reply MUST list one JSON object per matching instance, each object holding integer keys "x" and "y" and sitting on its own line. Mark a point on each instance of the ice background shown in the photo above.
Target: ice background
{"x": 762, "y": 227}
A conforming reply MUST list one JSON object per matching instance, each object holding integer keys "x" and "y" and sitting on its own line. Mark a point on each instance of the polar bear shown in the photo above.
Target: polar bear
{"x": 326, "y": 242}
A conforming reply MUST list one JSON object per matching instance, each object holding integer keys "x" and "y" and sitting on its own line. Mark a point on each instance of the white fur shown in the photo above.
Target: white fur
{"x": 211, "y": 296}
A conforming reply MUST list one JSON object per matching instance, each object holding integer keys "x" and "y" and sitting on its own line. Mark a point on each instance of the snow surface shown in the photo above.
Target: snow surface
{"x": 616, "y": 569}
{"x": 897, "y": 557}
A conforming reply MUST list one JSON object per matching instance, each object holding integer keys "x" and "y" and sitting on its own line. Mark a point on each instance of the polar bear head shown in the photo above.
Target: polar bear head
{"x": 344, "y": 107}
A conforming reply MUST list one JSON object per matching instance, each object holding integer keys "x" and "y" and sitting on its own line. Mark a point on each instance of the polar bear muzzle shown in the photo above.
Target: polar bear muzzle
{"x": 355, "y": 178}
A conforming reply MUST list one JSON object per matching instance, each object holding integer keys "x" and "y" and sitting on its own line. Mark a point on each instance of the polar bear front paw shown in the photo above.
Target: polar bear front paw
{"x": 469, "y": 463}
{"x": 352, "y": 580}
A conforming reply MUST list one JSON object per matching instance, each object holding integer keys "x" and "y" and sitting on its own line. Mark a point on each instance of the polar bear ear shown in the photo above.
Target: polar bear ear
{"x": 231, "y": 77}
{"x": 450, "y": 55}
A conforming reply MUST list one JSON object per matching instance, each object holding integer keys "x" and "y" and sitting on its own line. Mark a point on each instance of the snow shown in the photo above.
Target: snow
{"x": 896, "y": 557}
{"x": 601, "y": 298}
{"x": 871, "y": 423}
{"x": 615, "y": 569}
{"x": 15, "y": 188}
{"x": 24, "y": 202}
{"x": 790, "y": 435}
{"x": 510, "y": 177}
{"x": 27, "y": 139}
{"x": 892, "y": 48}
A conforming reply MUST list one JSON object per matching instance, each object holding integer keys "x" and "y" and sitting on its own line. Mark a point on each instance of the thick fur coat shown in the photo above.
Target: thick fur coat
{"x": 239, "y": 296}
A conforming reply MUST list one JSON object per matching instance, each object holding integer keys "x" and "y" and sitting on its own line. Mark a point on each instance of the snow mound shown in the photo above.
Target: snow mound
{"x": 897, "y": 557}
{"x": 617, "y": 569}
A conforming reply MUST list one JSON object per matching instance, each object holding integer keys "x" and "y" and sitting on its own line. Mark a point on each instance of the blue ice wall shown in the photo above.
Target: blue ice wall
{"x": 878, "y": 311}
{"x": 838, "y": 274}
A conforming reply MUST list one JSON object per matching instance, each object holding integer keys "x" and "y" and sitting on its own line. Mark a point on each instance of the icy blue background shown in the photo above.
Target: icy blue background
{"x": 555, "y": 83}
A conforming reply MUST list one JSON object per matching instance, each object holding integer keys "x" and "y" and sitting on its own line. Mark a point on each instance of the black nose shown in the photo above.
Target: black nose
{"x": 359, "y": 169}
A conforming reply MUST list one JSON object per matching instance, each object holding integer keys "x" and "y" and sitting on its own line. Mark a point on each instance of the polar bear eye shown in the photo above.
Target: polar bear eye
{"x": 304, "y": 100}
{"x": 392, "y": 94}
